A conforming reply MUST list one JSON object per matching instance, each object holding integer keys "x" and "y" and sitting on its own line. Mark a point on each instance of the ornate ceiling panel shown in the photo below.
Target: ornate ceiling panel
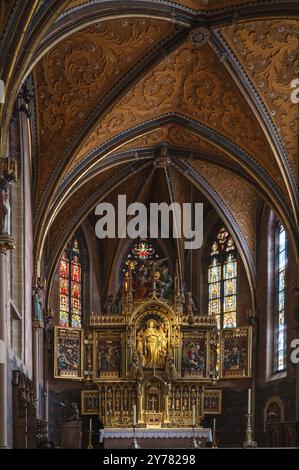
{"x": 240, "y": 198}
{"x": 175, "y": 136}
{"x": 268, "y": 52}
{"x": 194, "y": 83}
{"x": 75, "y": 75}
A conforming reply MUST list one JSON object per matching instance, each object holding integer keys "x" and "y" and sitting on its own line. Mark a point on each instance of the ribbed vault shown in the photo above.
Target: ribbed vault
{"x": 208, "y": 79}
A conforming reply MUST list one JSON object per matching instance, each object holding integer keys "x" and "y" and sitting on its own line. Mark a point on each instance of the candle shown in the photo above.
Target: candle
{"x": 193, "y": 415}
{"x": 249, "y": 401}
{"x": 134, "y": 415}
{"x": 214, "y": 424}
{"x": 90, "y": 424}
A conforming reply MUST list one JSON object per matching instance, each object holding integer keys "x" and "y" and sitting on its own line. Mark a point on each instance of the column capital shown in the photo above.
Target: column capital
{"x": 8, "y": 169}
{"x": 6, "y": 243}
{"x": 37, "y": 325}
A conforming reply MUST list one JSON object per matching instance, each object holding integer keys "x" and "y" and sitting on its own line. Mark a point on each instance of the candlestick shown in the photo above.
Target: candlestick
{"x": 193, "y": 415}
{"x": 214, "y": 444}
{"x": 134, "y": 415}
{"x": 90, "y": 446}
{"x": 249, "y": 401}
{"x": 249, "y": 440}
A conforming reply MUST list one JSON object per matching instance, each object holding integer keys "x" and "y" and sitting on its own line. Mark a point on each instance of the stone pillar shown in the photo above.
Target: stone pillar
{"x": 6, "y": 243}
{"x": 36, "y": 367}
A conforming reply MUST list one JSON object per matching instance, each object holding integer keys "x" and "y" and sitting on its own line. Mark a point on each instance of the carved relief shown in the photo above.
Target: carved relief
{"x": 268, "y": 51}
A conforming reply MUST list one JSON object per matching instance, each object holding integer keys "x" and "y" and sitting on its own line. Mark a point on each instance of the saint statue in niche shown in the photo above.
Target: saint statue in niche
{"x": 4, "y": 212}
{"x": 151, "y": 336}
{"x": 152, "y": 345}
{"x": 5, "y": 181}
{"x": 37, "y": 306}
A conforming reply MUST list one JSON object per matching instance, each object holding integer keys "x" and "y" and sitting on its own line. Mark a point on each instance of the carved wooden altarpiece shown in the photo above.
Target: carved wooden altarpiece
{"x": 148, "y": 350}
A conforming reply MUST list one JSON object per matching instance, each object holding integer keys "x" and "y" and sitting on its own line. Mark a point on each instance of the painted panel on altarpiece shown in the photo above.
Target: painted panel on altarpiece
{"x": 108, "y": 355}
{"x": 68, "y": 343}
{"x": 90, "y": 402}
{"x": 236, "y": 353}
{"x": 194, "y": 355}
{"x": 212, "y": 401}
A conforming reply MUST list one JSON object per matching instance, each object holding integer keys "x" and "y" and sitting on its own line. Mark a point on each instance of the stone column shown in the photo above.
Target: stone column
{"x": 36, "y": 366}
{"x": 6, "y": 243}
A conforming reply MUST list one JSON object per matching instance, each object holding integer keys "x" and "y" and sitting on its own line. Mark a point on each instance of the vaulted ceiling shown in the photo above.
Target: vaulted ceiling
{"x": 115, "y": 82}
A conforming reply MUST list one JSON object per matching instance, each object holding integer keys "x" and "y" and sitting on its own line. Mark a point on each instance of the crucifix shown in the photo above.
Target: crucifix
{"x": 153, "y": 401}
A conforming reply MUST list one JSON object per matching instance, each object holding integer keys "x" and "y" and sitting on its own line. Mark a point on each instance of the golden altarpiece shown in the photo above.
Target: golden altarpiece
{"x": 150, "y": 358}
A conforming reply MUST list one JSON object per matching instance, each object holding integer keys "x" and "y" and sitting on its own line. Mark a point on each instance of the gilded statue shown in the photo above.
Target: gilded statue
{"x": 151, "y": 345}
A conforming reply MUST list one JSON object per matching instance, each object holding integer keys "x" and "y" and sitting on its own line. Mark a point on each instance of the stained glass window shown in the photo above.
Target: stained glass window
{"x": 222, "y": 280}
{"x": 140, "y": 251}
{"x": 70, "y": 273}
{"x": 280, "y": 343}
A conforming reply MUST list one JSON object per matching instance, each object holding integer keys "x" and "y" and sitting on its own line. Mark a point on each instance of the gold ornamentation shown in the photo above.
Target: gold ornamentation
{"x": 139, "y": 366}
{"x": 152, "y": 344}
{"x": 197, "y": 87}
{"x": 236, "y": 349}
{"x": 268, "y": 52}
{"x": 73, "y": 77}
{"x": 237, "y": 195}
{"x": 173, "y": 135}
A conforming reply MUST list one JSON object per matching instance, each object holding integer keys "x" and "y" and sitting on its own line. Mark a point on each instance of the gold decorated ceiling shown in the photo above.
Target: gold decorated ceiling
{"x": 268, "y": 51}
{"x": 73, "y": 77}
{"x": 175, "y": 136}
{"x": 194, "y": 83}
{"x": 240, "y": 198}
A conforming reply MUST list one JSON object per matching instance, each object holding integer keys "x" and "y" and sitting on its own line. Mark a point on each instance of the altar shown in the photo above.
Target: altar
{"x": 163, "y": 438}
{"x": 151, "y": 359}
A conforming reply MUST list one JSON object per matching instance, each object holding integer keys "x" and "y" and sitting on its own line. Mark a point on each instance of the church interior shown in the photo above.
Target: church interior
{"x": 144, "y": 343}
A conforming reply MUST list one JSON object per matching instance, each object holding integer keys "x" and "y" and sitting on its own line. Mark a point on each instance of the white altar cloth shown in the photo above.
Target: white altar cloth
{"x": 160, "y": 433}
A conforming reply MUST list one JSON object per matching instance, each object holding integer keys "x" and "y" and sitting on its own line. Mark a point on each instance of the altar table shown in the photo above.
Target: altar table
{"x": 161, "y": 438}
